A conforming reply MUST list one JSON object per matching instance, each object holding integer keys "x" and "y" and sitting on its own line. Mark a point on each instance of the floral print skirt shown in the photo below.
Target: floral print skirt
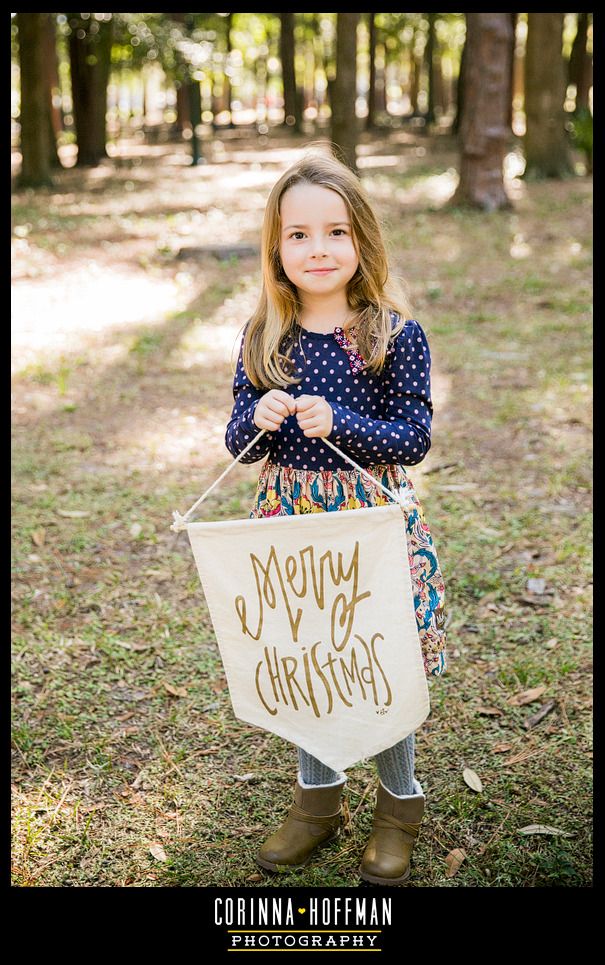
{"x": 284, "y": 491}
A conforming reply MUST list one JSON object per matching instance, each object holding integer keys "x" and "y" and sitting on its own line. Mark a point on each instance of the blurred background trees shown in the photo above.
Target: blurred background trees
{"x": 83, "y": 82}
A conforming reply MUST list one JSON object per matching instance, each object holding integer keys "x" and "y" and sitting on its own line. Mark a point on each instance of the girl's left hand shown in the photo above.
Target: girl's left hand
{"x": 314, "y": 415}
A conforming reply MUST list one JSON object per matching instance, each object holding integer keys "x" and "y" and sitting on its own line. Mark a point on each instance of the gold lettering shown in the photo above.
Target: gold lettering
{"x": 377, "y": 662}
{"x": 309, "y": 681}
{"x": 351, "y": 672}
{"x": 321, "y": 675}
{"x": 259, "y": 691}
{"x": 291, "y": 679}
{"x": 266, "y": 591}
{"x": 291, "y": 568}
{"x": 330, "y": 663}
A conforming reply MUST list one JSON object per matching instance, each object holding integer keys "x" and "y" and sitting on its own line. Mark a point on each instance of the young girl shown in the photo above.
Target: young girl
{"x": 328, "y": 353}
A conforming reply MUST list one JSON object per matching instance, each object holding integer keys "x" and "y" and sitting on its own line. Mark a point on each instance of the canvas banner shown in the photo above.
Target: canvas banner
{"x": 314, "y": 618}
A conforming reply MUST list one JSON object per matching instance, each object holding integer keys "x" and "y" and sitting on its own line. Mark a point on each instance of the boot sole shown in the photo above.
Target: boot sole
{"x": 280, "y": 868}
{"x": 375, "y": 880}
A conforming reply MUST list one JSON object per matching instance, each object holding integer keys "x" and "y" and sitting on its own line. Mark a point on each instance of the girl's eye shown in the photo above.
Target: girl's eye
{"x": 296, "y": 234}
{"x": 341, "y": 230}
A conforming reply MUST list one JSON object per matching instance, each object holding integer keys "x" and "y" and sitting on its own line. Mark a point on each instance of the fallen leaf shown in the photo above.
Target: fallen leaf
{"x": 157, "y": 851}
{"x": 488, "y": 597}
{"x": 175, "y": 691}
{"x": 129, "y": 731}
{"x": 244, "y": 777}
{"x": 73, "y": 513}
{"x": 132, "y": 646}
{"x": 135, "y": 530}
{"x": 551, "y": 643}
{"x": 255, "y": 878}
{"x": 527, "y": 696}
{"x": 219, "y": 685}
{"x": 521, "y": 756}
{"x": 38, "y": 536}
{"x": 159, "y": 574}
{"x": 542, "y": 712}
{"x": 544, "y": 829}
{"x": 453, "y": 861}
{"x": 501, "y": 747}
{"x": 535, "y": 600}
{"x": 472, "y": 779}
{"x": 489, "y": 711}
{"x": 535, "y": 585}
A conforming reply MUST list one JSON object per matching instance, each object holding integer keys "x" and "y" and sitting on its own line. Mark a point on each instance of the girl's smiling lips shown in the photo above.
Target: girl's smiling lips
{"x": 319, "y": 271}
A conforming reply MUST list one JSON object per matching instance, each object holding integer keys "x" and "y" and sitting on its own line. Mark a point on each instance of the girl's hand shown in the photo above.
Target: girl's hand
{"x": 274, "y": 406}
{"x": 314, "y": 415}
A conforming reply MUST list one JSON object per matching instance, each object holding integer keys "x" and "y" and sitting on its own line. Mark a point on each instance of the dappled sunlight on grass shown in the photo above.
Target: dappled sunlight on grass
{"x": 216, "y": 335}
{"x": 171, "y": 438}
{"x": 51, "y": 320}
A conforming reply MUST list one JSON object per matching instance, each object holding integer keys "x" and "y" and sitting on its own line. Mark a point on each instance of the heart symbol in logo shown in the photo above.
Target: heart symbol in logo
{"x": 301, "y": 911}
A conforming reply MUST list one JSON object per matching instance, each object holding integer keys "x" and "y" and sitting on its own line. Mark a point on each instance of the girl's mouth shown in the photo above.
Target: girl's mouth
{"x": 320, "y": 271}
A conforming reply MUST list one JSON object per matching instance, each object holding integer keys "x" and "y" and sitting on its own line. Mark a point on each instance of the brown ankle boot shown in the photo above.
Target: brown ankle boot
{"x": 386, "y": 859}
{"x": 313, "y": 820}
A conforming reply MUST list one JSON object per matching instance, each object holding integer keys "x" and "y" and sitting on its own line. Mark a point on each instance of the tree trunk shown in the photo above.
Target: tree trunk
{"x": 195, "y": 113}
{"x": 371, "y": 115}
{"x": 226, "y": 78}
{"x": 292, "y": 114}
{"x": 511, "y": 76}
{"x": 35, "y": 152}
{"x": 547, "y": 152}
{"x": 415, "y": 69}
{"x": 429, "y": 54}
{"x": 484, "y": 126}
{"x": 183, "y": 118}
{"x": 55, "y": 115}
{"x": 89, "y": 56}
{"x": 183, "y": 100}
{"x": 344, "y": 119}
{"x": 439, "y": 97}
{"x": 460, "y": 92}
{"x": 580, "y": 63}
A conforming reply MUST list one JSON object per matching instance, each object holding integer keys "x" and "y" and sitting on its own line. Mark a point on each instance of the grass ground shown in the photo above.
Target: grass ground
{"x": 123, "y": 735}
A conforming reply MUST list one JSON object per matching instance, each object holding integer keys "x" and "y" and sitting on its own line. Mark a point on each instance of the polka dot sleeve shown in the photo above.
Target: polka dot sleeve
{"x": 403, "y": 435}
{"x": 241, "y": 428}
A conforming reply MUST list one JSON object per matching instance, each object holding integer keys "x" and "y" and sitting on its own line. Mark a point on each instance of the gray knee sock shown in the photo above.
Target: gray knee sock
{"x": 313, "y": 771}
{"x": 396, "y": 766}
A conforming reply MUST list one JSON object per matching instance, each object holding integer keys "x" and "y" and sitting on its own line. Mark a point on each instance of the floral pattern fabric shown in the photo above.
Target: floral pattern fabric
{"x": 285, "y": 491}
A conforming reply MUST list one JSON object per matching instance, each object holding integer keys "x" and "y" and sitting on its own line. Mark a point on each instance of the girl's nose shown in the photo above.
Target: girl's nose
{"x": 318, "y": 248}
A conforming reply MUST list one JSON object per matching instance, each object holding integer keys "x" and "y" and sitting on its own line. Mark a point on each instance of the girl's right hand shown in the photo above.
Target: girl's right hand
{"x": 274, "y": 406}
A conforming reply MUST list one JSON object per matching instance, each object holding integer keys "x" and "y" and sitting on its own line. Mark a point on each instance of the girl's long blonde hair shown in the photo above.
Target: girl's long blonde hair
{"x": 273, "y": 327}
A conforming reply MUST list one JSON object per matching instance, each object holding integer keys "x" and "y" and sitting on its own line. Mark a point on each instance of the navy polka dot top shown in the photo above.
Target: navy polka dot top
{"x": 378, "y": 419}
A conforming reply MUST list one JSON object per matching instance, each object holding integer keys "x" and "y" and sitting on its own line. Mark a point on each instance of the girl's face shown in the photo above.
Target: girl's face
{"x": 316, "y": 244}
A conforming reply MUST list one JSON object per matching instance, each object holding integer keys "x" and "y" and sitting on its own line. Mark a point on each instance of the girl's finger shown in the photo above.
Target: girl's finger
{"x": 277, "y": 407}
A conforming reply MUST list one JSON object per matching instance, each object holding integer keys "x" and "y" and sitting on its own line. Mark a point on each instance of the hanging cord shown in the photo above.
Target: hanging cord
{"x": 180, "y": 522}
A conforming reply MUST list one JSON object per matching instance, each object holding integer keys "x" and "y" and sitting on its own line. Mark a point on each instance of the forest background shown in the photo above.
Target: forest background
{"x": 143, "y": 149}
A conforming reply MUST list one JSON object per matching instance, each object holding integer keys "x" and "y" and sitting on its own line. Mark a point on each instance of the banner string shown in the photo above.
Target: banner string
{"x": 180, "y": 521}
